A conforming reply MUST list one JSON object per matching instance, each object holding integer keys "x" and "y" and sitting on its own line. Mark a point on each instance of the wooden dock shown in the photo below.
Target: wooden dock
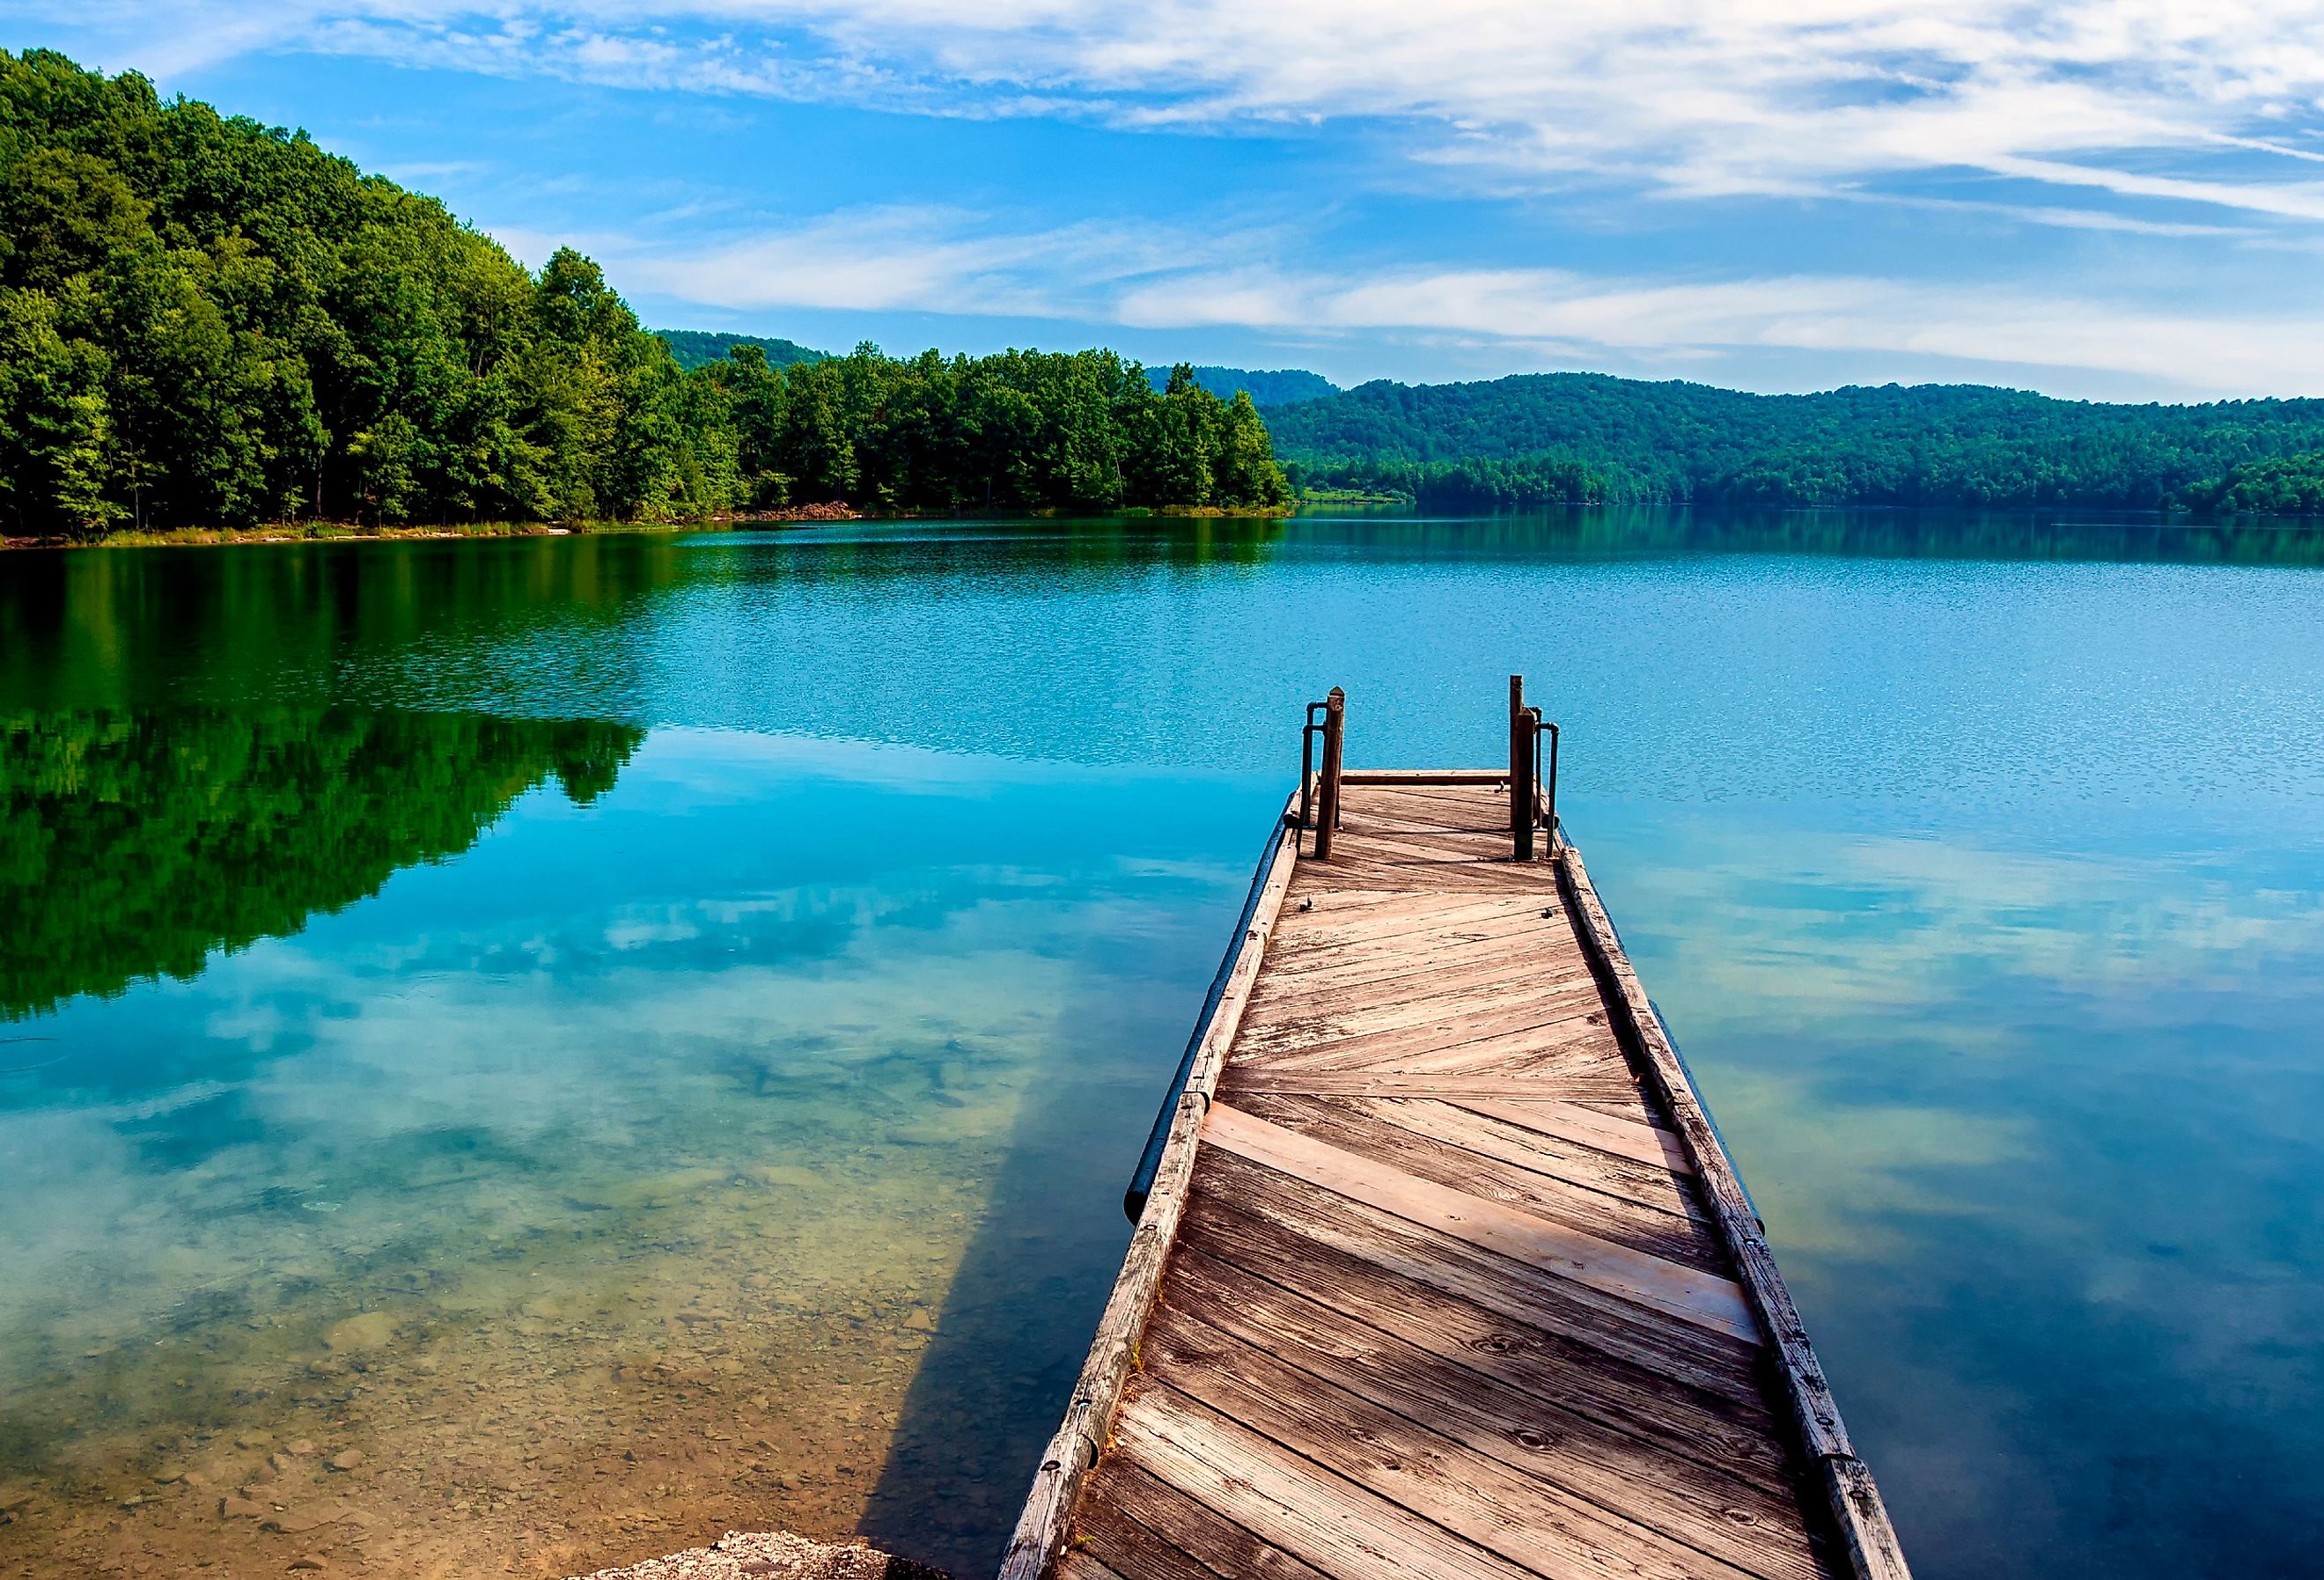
{"x": 1441, "y": 1270}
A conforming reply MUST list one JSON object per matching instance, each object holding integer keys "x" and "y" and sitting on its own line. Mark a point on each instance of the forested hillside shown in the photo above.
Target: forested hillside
{"x": 1276, "y": 387}
{"x": 694, "y": 347}
{"x": 206, "y": 321}
{"x": 1588, "y": 437}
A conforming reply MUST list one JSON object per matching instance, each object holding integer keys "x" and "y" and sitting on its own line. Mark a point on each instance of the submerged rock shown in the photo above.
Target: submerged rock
{"x": 775, "y": 1555}
{"x": 367, "y": 1332}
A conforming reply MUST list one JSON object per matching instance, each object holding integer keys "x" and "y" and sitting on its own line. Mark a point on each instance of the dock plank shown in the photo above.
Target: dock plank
{"x": 1716, "y": 1419}
{"x": 1397, "y": 1133}
{"x": 1705, "y": 1300}
{"x": 1458, "y": 1134}
{"x": 1160, "y": 1532}
{"x": 1290, "y": 1501}
{"x": 1444, "y": 1290}
{"x": 1433, "y": 1475}
{"x": 1574, "y": 1491}
{"x": 1700, "y": 1358}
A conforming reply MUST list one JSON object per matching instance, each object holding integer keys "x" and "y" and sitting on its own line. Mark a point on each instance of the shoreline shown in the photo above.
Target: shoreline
{"x": 740, "y": 521}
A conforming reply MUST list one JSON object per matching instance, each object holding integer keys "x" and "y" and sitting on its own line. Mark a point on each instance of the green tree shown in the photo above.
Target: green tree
{"x": 216, "y": 322}
{"x": 54, "y": 428}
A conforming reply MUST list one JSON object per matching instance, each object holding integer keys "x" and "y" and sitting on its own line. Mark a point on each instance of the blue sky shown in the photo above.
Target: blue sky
{"x": 2121, "y": 200}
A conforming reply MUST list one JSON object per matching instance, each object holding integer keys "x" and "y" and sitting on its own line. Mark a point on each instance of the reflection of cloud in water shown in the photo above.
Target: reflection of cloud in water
{"x": 2029, "y": 1112}
{"x": 709, "y": 1081}
{"x": 1812, "y": 922}
{"x": 1862, "y": 1166}
{"x": 554, "y": 1072}
{"x": 1827, "y": 985}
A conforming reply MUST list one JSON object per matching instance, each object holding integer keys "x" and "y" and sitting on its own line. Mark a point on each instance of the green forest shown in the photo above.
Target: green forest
{"x": 208, "y": 322}
{"x": 1277, "y": 387}
{"x": 1591, "y": 439}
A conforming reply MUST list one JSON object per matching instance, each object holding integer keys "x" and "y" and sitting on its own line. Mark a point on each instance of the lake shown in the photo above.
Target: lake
{"x": 538, "y": 1052}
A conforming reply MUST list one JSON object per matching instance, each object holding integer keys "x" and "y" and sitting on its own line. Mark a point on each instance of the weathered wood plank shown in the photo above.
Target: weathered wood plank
{"x": 1528, "y": 1521}
{"x": 1345, "y": 918}
{"x": 1545, "y": 943}
{"x": 1198, "y": 1534}
{"x": 1360, "y": 868}
{"x": 1582, "y": 1163}
{"x": 1329, "y": 927}
{"x": 1417, "y": 999}
{"x": 1290, "y": 1501}
{"x": 1484, "y": 963}
{"x": 1597, "y": 1076}
{"x": 1487, "y": 998}
{"x": 1337, "y": 1122}
{"x": 1705, "y": 1300}
{"x": 1483, "y": 778}
{"x": 1624, "y": 1136}
{"x": 1543, "y": 1049}
{"x": 1482, "y": 1019}
{"x": 1735, "y": 1518}
{"x": 1715, "y": 1363}
{"x": 1725, "y": 1426}
{"x": 1542, "y": 1035}
{"x": 1072, "y": 1565}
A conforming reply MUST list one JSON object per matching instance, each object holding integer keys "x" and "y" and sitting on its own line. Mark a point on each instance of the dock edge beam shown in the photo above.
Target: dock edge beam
{"x": 1097, "y": 1392}
{"x": 1853, "y": 1499}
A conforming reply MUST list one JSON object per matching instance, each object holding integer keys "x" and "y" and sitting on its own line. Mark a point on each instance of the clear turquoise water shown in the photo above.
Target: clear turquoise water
{"x": 695, "y": 1001}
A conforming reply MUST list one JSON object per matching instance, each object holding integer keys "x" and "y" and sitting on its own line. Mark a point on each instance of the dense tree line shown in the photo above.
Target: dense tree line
{"x": 206, "y": 321}
{"x": 1075, "y": 431}
{"x": 2279, "y": 486}
{"x": 1267, "y": 387}
{"x": 1585, "y": 438}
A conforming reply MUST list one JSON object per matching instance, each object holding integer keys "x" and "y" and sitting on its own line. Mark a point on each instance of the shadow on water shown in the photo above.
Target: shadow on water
{"x": 1010, "y": 1338}
{"x": 1034, "y": 1277}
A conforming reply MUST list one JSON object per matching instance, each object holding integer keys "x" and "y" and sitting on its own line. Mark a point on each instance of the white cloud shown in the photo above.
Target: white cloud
{"x": 1641, "y": 322}
{"x": 905, "y": 258}
{"x": 2150, "y": 100}
{"x": 2150, "y": 120}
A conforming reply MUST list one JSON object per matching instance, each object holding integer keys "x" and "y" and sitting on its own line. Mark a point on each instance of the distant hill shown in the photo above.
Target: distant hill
{"x": 1586, "y": 436}
{"x": 697, "y": 347}
{"x": 1282, "y": 387}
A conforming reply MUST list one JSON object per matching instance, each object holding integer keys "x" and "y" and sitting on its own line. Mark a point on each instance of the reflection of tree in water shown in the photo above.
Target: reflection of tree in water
{"x": 1616, "y": 532}
{"x": 134, "y": 844}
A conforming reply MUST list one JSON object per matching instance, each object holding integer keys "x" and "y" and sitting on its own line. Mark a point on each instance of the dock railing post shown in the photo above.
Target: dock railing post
{"x": 1523, "y": 725}
{"x": 1327, "y": 799}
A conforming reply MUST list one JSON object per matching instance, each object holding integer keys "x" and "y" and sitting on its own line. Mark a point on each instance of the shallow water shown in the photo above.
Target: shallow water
{"x": 633, "y": 1035}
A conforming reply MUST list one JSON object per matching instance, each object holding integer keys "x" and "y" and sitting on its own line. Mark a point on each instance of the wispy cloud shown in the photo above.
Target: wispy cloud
{"x": 943, "y": 261}
{"x": 2157, "y": 128}
{"x": 1644, "y": 322}
{"x": 2151, "y": 100}
{"x": 909, "y": 258}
